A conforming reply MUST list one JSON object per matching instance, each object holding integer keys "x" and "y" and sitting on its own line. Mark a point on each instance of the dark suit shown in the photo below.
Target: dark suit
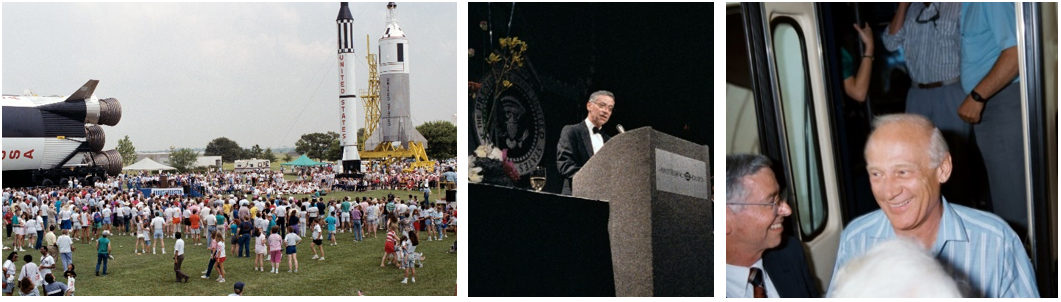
{"x": 787, "y": 267}
{"x": 574, "y": 150}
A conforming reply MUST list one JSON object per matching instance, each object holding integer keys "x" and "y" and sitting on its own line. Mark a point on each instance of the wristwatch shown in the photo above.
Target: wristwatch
{"x": 977, "y": 97}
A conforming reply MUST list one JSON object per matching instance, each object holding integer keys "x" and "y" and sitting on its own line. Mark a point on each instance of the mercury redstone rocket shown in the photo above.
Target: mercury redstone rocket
{"x": 351, "y": 162}
{"x": 395, "y": 124}
{"x": 53, "y": 140}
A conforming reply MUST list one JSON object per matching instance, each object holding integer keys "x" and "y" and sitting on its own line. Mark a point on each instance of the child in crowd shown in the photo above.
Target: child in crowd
{"x": 259, "y": 250}
{"x": 70, "y": 275}
{"x": 219, "y": 255}
{"x": 388, "y": 247}
{"x": 141, "y": 237}
{"x": 409, "y": 252}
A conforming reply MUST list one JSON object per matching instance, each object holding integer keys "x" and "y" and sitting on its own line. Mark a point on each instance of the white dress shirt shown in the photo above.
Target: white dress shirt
{"x": 737, "y": 285}
{"x": 596, "y": 138}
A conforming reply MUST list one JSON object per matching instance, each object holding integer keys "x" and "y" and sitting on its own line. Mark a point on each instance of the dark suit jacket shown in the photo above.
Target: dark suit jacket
{"x": 787, "y": 267}
{"x": 573, "y": 150}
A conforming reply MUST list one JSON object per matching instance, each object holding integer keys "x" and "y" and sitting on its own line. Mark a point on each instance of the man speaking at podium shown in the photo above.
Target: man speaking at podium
{"x": 580, "y": 141}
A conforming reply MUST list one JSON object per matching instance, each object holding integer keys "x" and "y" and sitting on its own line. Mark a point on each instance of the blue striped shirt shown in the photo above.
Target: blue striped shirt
{"x": 977, "y": 248}
{"x": 932, "y": 48}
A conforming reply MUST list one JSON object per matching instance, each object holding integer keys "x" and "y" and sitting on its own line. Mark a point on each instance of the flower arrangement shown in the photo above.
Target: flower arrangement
{"x": 490, "y": 165}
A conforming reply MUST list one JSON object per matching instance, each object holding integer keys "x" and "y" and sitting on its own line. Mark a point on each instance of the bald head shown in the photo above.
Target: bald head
{"x": 911, "y": 128}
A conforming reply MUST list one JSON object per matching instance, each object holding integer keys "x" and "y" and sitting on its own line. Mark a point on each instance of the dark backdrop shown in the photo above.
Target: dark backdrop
{"x": 655, "y": 57}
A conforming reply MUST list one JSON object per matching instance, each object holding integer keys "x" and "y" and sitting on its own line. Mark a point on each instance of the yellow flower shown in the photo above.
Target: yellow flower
{"x": 494, "y": 58}
{"x": 506, "y": 84}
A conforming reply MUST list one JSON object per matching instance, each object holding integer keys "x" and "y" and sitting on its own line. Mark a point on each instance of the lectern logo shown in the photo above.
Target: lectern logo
{"x": 518, "y": 122}
{"x": 681, "y": 175}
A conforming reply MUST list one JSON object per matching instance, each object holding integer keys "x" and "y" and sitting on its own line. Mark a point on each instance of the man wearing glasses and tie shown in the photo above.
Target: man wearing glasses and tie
{"x": 929, "y": 35}
{"x": 760, "y": 263}
{"x": 580, "y": 141}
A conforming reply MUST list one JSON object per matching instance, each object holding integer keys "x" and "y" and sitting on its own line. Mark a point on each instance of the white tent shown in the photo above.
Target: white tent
{"x": 147, "y": 164}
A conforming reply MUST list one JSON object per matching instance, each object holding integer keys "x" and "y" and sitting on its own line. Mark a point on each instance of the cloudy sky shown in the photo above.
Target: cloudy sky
{"x": 186, "y": 73}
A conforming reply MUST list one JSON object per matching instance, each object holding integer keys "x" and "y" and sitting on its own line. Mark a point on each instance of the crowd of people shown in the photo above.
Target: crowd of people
{"x": 251, "y": 216}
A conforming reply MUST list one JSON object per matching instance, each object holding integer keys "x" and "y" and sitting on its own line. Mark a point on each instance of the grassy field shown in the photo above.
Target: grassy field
{"x": 349, "y": 267}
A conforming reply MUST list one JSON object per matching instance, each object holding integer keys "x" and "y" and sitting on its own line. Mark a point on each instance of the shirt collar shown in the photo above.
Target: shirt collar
{"x": 590, "y": 126}
{"x": 951, "y": 228}
{"x": 737, "y": 279}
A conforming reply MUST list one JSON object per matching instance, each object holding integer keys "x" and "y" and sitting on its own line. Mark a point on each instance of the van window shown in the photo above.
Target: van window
{"x": 801, "y": 141}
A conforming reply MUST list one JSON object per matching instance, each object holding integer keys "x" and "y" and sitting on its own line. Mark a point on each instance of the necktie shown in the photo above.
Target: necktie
{"x": 596, "y": 130}
{"x": 755, "y": 277}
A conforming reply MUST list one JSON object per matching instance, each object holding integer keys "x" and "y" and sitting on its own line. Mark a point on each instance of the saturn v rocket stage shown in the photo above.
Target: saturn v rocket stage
{"x": 395, "y": 123}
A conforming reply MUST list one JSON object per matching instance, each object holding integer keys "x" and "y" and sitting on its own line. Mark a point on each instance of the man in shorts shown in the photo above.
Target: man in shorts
{"x": 106, "y": 218}
{"x": 158, "y": 224}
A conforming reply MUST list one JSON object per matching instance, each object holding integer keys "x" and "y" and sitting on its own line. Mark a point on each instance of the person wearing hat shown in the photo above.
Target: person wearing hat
{"x": 103, "y": 247}
{"x": 238, "y": 289}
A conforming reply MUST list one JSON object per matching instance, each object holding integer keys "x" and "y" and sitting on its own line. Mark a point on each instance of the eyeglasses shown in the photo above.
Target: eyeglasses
{"x": 603, "y": 106}
{"x": 933, "y": 18}
{"x": 781, "y": 198}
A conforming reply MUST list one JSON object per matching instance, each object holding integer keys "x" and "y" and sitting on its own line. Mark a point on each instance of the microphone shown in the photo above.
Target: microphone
{"x": 620, "y": 128}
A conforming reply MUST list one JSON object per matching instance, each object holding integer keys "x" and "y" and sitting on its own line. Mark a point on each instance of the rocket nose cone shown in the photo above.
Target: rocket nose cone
{"x": 344, "y": 12}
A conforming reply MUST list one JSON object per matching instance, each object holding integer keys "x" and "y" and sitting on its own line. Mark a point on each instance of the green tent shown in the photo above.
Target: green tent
{"x": 304, "y": 161}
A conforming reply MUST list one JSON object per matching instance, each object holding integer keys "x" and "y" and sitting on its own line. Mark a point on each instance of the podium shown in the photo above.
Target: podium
{"x": 661, "y": 224}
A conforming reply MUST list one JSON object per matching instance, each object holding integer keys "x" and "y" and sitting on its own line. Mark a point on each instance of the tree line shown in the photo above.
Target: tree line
{"x": 441, "y": 141}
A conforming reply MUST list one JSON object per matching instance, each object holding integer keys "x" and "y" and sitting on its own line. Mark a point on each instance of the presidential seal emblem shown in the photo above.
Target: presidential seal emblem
{"x": 517, "y": 123}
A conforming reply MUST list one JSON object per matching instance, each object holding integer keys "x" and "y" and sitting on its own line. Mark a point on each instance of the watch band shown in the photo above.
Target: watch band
{"x": 977, "y": 97}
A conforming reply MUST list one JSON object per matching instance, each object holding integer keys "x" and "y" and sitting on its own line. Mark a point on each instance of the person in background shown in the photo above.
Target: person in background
{"x": 70, "y": 275}
{"x": 212, "y": 248}
{"x": 238, "y": 290}
{"x": 219, "y": 257}
{"x": 275, "y": 243}
{"x": 66, "y": 248}
{"x": 9, "y": 273}
{"x": 52, "y": 288}
{"x": 318, "y": 241}
{"x": 928, "y": 33}
{"x": 990, "y": 76}
{"x": 292, "y": 241}
{"x": 260, "y": 249}
{"x": 29, "y": 278}
{"x": 103, "y": 248}
{"x": 178, "y": 259}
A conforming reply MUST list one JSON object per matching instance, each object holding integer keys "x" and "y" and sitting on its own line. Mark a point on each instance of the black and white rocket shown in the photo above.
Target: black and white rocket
{"x": 395, "y": 124}
{"x": 347, "y": 96}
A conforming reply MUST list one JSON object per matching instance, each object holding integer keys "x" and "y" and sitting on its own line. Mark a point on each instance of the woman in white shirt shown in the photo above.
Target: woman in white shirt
{"x": 9, "y": 273}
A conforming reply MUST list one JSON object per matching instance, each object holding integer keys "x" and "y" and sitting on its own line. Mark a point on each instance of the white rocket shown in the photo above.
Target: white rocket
{"x": 347, "y": 96}
{"x": 395, "y": 124}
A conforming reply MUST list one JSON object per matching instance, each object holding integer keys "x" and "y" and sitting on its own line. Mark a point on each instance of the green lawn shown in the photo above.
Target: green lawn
{"x": 349, "y": 267}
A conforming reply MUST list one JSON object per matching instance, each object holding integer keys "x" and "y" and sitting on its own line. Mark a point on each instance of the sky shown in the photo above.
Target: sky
{"x": 257, "y": 73}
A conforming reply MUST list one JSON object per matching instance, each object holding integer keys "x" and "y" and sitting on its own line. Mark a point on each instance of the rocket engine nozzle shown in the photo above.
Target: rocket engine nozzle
{"x": 110, "y": 160}
{"x": 96, "y": 138}
{"x": 110, "y": 111}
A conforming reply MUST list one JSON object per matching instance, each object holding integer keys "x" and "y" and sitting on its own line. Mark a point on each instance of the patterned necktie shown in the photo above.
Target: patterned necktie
{"x": 755, "y": 277}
